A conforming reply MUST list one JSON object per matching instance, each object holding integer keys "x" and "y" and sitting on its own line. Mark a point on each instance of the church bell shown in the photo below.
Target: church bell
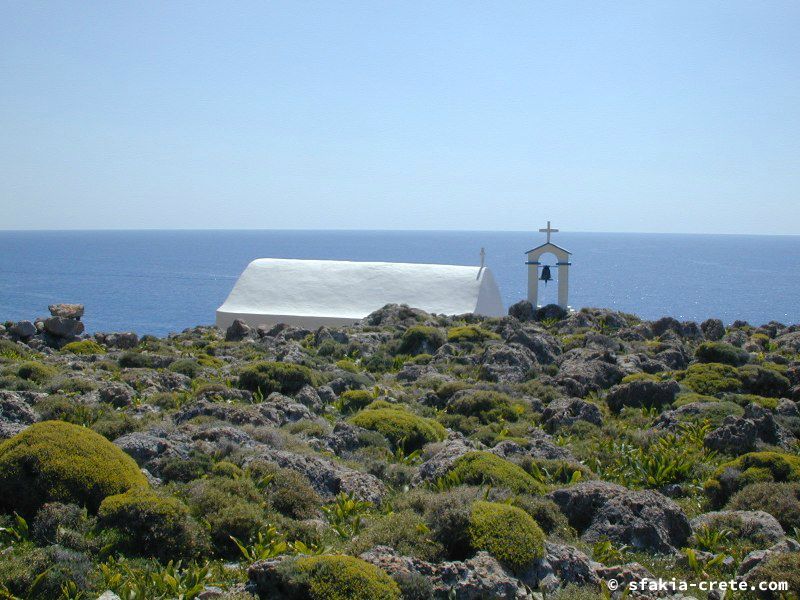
{"x": 546, "y": 274}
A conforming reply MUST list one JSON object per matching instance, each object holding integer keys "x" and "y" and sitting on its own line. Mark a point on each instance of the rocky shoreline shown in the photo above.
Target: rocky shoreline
{"x": 411, "y": 455}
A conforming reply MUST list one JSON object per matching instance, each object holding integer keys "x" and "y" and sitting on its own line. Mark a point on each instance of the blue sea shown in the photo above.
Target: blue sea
{"x": 164, "y": 281}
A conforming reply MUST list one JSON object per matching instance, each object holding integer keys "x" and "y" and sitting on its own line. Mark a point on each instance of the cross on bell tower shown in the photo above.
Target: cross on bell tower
{"x": 563, "y": 263}
{"x": 548, "y": 230}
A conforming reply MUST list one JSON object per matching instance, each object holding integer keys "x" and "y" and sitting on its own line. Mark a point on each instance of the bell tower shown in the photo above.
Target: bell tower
{"x": 534, "y": 265}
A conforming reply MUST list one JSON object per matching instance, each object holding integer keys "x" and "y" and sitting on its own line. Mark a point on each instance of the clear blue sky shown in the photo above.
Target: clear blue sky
{"x": 602, "y": 116}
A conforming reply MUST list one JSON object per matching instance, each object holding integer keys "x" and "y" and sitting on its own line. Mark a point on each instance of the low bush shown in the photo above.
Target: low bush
{"x": 488, "y": 407}
{"x": 470, "y": 333}
{"x": 351, "y": 401}
{"x": 405, "y": 531}
{"x": 230, "y": 507}
{"x": 186, "y": 366}
{"x": 711, "y": 379}
{"x": 267, "y": 377}
{"x": 545, "y": 512}
{"x": 36, "y": 372}
{"x": 153, "y": 525}
{"x": 289, "y": 492}
{"x": 52, "y": 461}
{"x": 84, "y": 347}
{"x": 420, "y": 339}
{"x": 402, "y": 428}
{"x": 763, "y": 381}
{"x": 342, "y": 578}
{"x": 60, "y": 408}
{"x": 781, "y": 500}
{"x": 136, "y": 360}
{"x": 720, "y": 352}
{"x": 506, "y": 532}
{"x": 753, "y": 467}
{"x": 778, "y": 567}
{"x": 13, "y": 350}
{"x": 484, "y": 468}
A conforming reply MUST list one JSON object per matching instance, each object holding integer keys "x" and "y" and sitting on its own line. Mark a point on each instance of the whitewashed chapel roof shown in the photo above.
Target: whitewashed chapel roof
{"x": 311, "y": 293}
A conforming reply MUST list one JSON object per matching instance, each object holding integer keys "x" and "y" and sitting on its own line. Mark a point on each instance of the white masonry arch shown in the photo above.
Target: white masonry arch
{"x": 563, "y": 264}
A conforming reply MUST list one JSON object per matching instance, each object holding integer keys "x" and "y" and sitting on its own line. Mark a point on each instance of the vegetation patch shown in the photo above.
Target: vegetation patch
{"x": 267, "y": 377}
{"x": 506, "y": 532}
{"x": 470, "y": 333}
{"x": 752, "y": 467}
{"x": 420, "y": 339}
{"x": 485, "y": 468}
{"x": 720, "y": 352}
{"x": 402, "y": 428}
{"x": 153, "y": 525}
{"x": 84, "y": 347}
{"x": 53, "y": 461}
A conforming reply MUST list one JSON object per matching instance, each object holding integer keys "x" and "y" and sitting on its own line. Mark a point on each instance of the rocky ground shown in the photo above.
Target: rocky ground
{"x": 410, "y": 455}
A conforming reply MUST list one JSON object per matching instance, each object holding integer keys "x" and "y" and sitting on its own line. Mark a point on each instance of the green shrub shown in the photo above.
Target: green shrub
{"x": 783, "y": 566}
{"x": 36, "y": 371}
{"x": 402, "y": 428}
{"x": 447, "y": 514}
{"x": 112, "y": 424}
{"x": 420, "y": 339}
{"x": 136, "y": 360}
{"x": 745, "y": 399}
{"x": 781, "y": 500}
{"x": 84, "y": 347}
{"x": 484, "y": 468}
{"x": 345, "y": 578}
{"x": 186, "y": 469}
{"x": 488, "y": 407}
{"x": 291, "y": 494}
{"x": 639, "y": 377}
{"x": 351, "y": 401}
{"x": 13, "y": 350}
{"x": 720, "y": 352}
{"x": 545, "y": 512}
{"x": 267, "y": 377}
{"x": 230, "y": 507}
{"x": 186, "y": 366}
{"x": 54, "y": 461}
{"x": 60, "y": 408}
{"x": 763, "y": 382}
{"x": 153, "y": 525}
{"x": 405, "y": 531}
{"x": 711, "y": 379}
{"x": 753, "y": 467}
{"x": 507, "y": 533}
{"x": 470, "y": 333}
{"x": 39, "y": 573}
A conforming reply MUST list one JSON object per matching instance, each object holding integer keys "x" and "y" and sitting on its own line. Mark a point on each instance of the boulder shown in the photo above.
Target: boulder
{"x": 522, "y": 311}
{"x": 507, "y": 363}
{"x": 754, "y": 525}
{"x": 122, "y": 340}
{"x": 642, "y": 393}
{"x": 447, "y": 453}
{"x": 476, "y": 578}
{"x": 118, "y": 395}
{"x": 645, "y": 520}
{"x": 564, "y": 412}
{"x": 14, "y": 410}
{"x": 68, "y": 311}
{"x": 238, "y": 331}
{"x": 580, "y": 502}
{"x": 550, "y": 312}
{"x": 756, "y": 557}
{"x": 63, "y": 327}
{"x": 561, "y": 566}
{"x": 583, "y": 371}
{"x": 735, "y": 436}
{"x": 23, "y": 330}
{"x": 327, "y": 477}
